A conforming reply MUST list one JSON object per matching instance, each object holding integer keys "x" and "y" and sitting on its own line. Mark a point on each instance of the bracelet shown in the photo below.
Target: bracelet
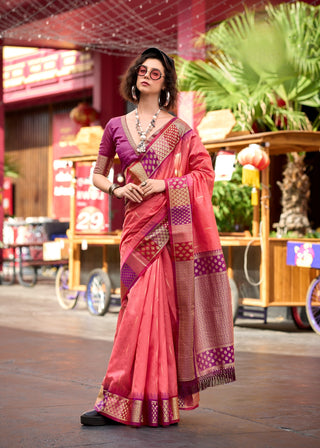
{"x": 112, "y": 188}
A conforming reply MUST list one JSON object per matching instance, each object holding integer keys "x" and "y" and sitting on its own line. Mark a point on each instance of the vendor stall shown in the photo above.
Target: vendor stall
{"x": 281, "y": 283}
{"x": 91, "y": 246}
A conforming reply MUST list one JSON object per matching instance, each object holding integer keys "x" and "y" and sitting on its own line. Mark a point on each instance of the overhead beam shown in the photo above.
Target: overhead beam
{"x": 279, "y": 142}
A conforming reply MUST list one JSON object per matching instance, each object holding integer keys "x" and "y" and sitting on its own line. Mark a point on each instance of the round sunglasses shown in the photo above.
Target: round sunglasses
{"x": 155, "y": 74}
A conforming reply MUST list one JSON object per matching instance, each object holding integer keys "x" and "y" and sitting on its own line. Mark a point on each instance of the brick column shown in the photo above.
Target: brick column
{"x": 1, "y": 148}
{"x": 106, "y": 98}
{"x": 191, "y": 23}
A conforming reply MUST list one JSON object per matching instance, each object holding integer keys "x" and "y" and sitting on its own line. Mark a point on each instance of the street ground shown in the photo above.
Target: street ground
{"x": 52, "y": 362}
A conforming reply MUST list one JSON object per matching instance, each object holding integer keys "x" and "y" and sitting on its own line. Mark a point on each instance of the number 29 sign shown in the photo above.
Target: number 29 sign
{"x": 92, "y": 205}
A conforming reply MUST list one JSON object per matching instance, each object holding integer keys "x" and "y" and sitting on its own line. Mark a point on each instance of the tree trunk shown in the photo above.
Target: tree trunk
{"x": 295, "y": 188}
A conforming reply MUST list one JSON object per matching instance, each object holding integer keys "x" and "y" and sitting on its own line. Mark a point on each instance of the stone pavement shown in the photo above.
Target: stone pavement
{"x": 52, "y": 362}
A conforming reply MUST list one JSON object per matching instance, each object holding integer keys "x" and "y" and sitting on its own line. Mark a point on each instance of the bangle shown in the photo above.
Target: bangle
{"x": 112, "y": 188}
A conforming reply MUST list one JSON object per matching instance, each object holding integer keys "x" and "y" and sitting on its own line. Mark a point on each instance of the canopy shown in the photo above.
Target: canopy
{"x": 120, "y": 27}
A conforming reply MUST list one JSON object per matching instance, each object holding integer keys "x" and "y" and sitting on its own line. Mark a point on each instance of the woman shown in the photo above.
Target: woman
{"x": 174, "y": 334}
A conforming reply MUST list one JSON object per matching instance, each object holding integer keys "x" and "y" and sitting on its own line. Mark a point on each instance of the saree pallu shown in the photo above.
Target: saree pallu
{"x": 174, "y": 334}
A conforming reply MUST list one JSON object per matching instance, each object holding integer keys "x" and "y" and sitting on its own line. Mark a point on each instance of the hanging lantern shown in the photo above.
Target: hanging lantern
{"x": 84, "y": 114}
{"x": 253, "y": 159}
{"x": 254, "y": 155}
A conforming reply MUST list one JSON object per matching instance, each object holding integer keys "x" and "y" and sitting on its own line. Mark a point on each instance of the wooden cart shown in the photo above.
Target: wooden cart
{"x": 281, "y": 284}
{"x": 87, "y": 273}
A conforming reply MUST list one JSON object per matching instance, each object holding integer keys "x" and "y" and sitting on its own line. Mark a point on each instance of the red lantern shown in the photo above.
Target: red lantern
{"x": 255, "y": 156}
{"x": 253, "y": 159}
{"x": 84, "y": 114}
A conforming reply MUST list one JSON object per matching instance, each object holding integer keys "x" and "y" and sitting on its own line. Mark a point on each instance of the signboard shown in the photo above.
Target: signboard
{"x": 93, "y": 214}
{"x": 225, "y": 165}
{"x": 46, "y": 72}
{"x": 92, "y": 205}
{"x": 303, "y": 254}
{"x": 64, "y": 134}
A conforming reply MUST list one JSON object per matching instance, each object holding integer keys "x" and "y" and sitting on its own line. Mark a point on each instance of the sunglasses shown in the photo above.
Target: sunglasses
{"x": 155, "y": 73}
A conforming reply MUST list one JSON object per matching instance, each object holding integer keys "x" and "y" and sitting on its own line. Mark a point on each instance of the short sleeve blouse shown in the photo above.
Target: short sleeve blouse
{"x": 115, "y": 141}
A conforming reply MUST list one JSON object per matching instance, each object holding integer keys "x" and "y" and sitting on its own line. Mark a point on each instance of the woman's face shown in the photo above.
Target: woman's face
{"x": 145, "y": 83}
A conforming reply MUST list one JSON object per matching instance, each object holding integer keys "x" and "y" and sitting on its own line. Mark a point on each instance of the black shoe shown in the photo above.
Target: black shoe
{"x": 93, "y": 418}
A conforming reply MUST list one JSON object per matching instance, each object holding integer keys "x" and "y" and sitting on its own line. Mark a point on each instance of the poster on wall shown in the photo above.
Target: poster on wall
{"x": 64, "y": 134}
{"x": 92, "y": 205}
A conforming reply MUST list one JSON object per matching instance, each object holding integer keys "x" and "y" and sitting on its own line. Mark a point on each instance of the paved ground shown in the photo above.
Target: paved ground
{"x": 52, "y": 362}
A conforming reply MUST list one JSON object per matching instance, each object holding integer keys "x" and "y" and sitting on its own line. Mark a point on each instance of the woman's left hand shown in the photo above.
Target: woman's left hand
{"x": 151, "y": 186}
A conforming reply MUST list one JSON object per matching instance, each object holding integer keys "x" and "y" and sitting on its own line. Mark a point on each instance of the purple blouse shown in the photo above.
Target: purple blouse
{"x": 117, "y": 139}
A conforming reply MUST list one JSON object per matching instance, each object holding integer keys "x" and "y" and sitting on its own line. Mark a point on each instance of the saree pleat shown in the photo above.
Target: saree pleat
{"x": 140, "y": 386}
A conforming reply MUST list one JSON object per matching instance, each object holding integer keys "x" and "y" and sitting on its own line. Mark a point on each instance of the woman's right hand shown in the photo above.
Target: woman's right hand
{"x": 130, "y": 191}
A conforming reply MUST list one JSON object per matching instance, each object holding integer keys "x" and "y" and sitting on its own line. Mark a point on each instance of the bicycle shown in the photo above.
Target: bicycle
{"x": 98, "y": 294}
{"x": 313, "y": 304}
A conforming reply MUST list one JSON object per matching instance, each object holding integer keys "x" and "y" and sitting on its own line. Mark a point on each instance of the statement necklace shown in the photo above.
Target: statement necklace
{"x": 143, "y": 134}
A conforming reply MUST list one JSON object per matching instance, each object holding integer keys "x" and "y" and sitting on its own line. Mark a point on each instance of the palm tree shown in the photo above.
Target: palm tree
{"x": 265, "y": 67}
{"x": 295, "y": 189}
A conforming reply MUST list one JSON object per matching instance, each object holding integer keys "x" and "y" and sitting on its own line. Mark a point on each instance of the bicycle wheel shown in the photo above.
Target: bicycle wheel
{"x": 27, "y": 276}
{"x": 300, "y": 317}
{"x": 98, "y": 292}
{"x": 313, "y": 305}
{"x": 67, "y": 298}
{"x": 235, "y": 298}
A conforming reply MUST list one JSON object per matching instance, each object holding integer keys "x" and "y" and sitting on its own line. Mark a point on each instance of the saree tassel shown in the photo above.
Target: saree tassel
{"x": 218, "y": 378}
{"x": 223, "y": 377}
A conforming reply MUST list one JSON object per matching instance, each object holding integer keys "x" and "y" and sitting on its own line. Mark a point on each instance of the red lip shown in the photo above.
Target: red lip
{"x": 145, "y": 83}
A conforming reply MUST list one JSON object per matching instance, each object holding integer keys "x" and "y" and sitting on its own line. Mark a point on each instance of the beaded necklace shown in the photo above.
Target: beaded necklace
{"x": 143, "y": 134}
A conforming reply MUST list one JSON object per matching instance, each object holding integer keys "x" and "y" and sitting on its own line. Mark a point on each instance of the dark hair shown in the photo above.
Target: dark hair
{"x": 130, "y": 78}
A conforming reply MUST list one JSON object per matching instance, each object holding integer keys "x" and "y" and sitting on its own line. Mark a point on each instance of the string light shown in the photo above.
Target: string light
{"x": 121, "y": 28}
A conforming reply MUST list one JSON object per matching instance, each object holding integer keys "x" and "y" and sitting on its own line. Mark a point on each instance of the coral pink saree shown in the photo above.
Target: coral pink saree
{"x": 174, "y": 335}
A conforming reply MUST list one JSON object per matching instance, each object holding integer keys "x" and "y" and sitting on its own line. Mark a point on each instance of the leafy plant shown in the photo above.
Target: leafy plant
{"x": 232, "y": 204}
{"x": 10, "y": 168}
{"x": 264, "y": 67}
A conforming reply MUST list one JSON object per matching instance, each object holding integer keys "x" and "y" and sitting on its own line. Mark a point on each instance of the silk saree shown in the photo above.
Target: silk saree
{"x": 174, "y": 334}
